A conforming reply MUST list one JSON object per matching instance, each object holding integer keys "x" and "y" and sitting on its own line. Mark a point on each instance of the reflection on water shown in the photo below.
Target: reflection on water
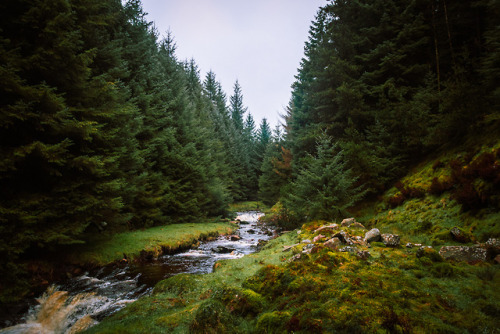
{"x": 82, "y": 302}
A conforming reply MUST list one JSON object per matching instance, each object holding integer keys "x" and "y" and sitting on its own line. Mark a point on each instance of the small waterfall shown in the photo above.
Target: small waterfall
{"x": 82, "y": 302}
{"x": 59, "y": 312}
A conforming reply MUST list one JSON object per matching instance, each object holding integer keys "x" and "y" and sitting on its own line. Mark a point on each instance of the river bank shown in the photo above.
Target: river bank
{"x": 109, "y": 250}
{"x": 303, "y": 282}
{"x": 94, "y": 294}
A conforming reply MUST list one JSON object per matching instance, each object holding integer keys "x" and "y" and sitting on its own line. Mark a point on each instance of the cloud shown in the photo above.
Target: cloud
{"x": 258, "y": 42}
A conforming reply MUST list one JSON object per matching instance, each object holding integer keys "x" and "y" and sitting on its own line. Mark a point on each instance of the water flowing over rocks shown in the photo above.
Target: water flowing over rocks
{"x": 85, "y": 300}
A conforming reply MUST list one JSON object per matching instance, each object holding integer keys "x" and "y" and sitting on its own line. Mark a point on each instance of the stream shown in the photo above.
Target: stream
{"x": 81, "y": 302}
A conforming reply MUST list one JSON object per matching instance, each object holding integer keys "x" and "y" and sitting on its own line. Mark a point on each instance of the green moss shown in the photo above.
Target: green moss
{"x": 272, "y": 322}
{"x": 442, "y": 270}
{"x": 177, "y": 284}
{"x": 212, "y": 317}
{"x": 106, "y": 249}
{"x": 395, "y": 290}
{"x": 240, "y": 301}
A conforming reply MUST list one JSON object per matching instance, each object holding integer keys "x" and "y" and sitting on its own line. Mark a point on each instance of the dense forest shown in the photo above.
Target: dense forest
{"x": 104, "y": 128}
{"x": 382, "y": 85}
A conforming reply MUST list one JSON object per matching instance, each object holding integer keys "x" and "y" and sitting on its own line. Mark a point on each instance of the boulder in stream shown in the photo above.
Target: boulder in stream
{"x": 222, "y": 250}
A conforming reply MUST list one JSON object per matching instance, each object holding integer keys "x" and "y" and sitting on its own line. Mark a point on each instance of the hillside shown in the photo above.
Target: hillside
{"x": 326, "y": 277}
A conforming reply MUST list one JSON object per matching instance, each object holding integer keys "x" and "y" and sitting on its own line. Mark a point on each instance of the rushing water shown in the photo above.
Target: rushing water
{"x": 83, "y": 301}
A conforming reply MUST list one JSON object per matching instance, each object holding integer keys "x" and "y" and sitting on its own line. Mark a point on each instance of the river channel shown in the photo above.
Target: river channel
{"x": 86, "y": 300}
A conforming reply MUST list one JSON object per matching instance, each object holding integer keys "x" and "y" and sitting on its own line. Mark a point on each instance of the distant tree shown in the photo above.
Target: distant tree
{"x": 236, "y": 107}
{"x": 275, "y": 169}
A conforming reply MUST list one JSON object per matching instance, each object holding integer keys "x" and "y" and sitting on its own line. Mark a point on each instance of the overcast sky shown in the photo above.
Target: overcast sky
{"x": 258, "y": 42}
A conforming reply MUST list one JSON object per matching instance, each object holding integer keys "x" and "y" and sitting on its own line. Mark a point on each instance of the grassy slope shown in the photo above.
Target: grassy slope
{"x": 175, "y": 301}
{"x": 394, "y": 291}
{"x": 429, "y": 218}
{"x": 106, "y": 249}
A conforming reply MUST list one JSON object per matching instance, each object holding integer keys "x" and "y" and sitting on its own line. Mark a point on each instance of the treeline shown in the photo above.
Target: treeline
{"x": 381, "y": 85}
{"x": 102, "y": 127}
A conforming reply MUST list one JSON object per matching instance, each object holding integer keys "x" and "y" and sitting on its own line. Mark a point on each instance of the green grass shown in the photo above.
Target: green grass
{"x": 175, "y": 302}
{"x": 105, "y": 249}
{"x": 394, "y": 291}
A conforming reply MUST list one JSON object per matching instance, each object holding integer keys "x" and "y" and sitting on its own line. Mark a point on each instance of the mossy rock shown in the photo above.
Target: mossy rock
{"x": 177, "y": 284}
{"x": 272, "y": 322}
{"x": 212, "y": 317}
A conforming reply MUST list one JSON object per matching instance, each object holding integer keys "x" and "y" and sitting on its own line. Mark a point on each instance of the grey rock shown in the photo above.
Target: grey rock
{"x": 363, "y": 254}
{"x": 463, "y": 253}
{"x": 409, "y": 245}
{"x": 319, "y": 237}
{"x": 333, "y": 243}
{"x": 327, "y": 227}
{"x": 307, "y": 248}
{"x": 223, "y": 250}
{"x": 344, "y": 237}
{"x": 493, "y": 247}
{"x": 306, "y": 241}
{"x": 391, "y": 240}
{"x": 348, "y": 222}
{"x": 459, "y": 235}
{"x": 358, "y": 225}
{"x": 349, "y": 249}
{"x": 372, "y": 235}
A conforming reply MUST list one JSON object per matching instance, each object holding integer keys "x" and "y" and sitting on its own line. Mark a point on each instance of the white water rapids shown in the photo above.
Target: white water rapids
{"x": 82, "y": 302}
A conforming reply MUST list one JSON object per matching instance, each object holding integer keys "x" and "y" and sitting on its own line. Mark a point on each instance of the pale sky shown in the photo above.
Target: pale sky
{"x": 258, "y": 42}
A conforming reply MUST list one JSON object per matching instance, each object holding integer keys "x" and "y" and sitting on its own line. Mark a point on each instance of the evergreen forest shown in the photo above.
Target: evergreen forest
{"x": 103, "y": 128}
{"x": 394, "y": 118}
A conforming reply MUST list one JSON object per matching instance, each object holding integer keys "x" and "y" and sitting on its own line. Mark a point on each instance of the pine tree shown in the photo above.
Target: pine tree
{"x": 325, "y": 188}
{"x": 237, "y": 108}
